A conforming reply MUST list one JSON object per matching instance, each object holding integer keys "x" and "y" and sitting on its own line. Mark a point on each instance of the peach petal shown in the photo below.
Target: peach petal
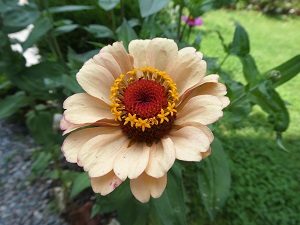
{"x": 82, "y": 108}
{"x": 138, "y": 49}
{"x": 204, "y": 129}
{"x": 118, "y": 51}
{"x": 98, "y": 154}
{"x": 204, "y": 109}
{"x": 95, "y": 80}
{"x": 161, "y": 52}
{"x": 68, "y": 127}
{"x": 108, "y": 61}
{"x": 131, "y": 161}
{"x": 208, "y": 86}
{"x": 74, "y": 142}
{"x": 187, "y": 70}
{"x": 162, "y": 157}
{"x": 189, "y": 143}
{"x": 145, "y": 186}
{"x": 105, "y": 184}
{"x": 205, "y": 154}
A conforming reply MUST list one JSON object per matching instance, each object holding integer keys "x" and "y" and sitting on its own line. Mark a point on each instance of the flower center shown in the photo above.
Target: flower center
{"x": 143, "y": 101}
{"x": 145, "y": 98}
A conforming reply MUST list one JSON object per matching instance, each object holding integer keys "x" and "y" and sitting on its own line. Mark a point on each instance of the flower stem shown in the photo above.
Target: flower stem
{"x": 241, "y": 97}
{"x": 179, "y": 21}
{"x": 52, "y": 39}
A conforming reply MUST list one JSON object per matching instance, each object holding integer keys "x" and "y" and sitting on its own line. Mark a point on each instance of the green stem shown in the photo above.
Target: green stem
{"x": 189, "y": 32}
{"x": 222, "y": 62}
{"x": 52, "y": 39}
{"x": 113, "y": 20}
{"x": 122, "y": 9}
{"x": 241, "y": 97}
{"x": 184, "y": 27}
{"x": 179, "y": 21}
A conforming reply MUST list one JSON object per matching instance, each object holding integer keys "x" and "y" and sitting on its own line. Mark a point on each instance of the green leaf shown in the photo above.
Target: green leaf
{"x": 108, "y": 4}
{"x": 271, "y": 102}
{"x": 19, "y": 17}
{"x": 240, "y": 45}
{"x": 71, "y": 84}
{"x": 77, "y": 60}
{"x": 170, "y": 208}
{"x": 41, "y": 163}
{"x": 126, "y": 33}
{"x": 250, "y": 70}
{"x": 134, "y": 22}
{"x": 69, "y": 8}
{"x": 99, "y": 31}
{"x": 284, "y": 72}
{"x": 132, "y": 212}
{"x": 95, "y": 210}
{"x": 41, "y": 27}
{"x": 40, "y": 126}
{"x": 214, "y": 180}
{"x": 39, "y": 79}
{"x": 65, "y": 29}
{"x": 149, "y": 7}
{"x": 12, "y": 103}
{"x": 129, "y": 210}
{"x": 81, "y": 183}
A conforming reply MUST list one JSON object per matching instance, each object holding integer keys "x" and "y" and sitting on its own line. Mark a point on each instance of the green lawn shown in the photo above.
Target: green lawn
{"x": 265, "y": 179}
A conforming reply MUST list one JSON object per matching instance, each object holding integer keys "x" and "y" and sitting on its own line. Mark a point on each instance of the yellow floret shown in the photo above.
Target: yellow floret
{"x": 130, "y": 118}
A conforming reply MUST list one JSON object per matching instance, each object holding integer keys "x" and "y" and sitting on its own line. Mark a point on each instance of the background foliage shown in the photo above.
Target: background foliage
{"x": 246, "y": 180}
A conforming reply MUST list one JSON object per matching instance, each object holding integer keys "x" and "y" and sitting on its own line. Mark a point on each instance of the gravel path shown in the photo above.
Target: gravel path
{"x": 21, "y": 202}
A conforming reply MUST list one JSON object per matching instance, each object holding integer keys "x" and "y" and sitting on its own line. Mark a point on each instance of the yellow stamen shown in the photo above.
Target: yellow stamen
{"x": 130, "y": 118}
{"x": 171, "y": 108}
{"x": 163, "y": 116}
{"x": 143, "y": 124}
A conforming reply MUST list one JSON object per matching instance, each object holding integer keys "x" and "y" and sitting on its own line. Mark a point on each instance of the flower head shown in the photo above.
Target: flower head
{"x": 141, "y": 111}
{"x": 191, "y": 21}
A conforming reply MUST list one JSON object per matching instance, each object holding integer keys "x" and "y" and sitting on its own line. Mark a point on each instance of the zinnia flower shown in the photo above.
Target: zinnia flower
{"x": 191, "y": 21}
{"x": 140, "y": 112}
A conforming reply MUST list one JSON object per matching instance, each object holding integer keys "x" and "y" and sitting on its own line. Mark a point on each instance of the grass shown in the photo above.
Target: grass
{"x": 265, "y": 180}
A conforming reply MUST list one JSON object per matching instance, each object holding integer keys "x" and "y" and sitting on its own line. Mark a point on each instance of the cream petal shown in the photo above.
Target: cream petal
{"x": 105, "y": 184}
{"x": 187, "y": 70}
{"x": 106, "y": 60}
{"x": 82, "y": 108}
{"x": 138, "y": 49}
{"x": 210, "y": 78}
{"x": 187, "y": 50}
{"x": 74, "y": 142}
{"x": 189, "y": 142}
{"x": 131, "y": 161}
{"x": 98, "y": 154}
{"x": 208, "y": 86}
{"x": 161, "y": 52}
{"x": 68, "y": 127}
{"x": 118, "y": 51}
{"x": 205, "y": 154}
{"x": 204, "y": 109}
{"x": 204, "y": 129}
{"x": 162, "y": 157}
{"x": 145, "y": 186}
{"x": 95, "y": 80}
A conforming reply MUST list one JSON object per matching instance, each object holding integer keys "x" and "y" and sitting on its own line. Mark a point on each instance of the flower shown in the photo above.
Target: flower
{"x": 191, "y": 21}
{"x": 140, "y": 112}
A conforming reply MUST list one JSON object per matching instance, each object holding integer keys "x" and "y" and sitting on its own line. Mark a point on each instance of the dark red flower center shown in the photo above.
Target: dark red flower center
{"x": 145, "y": 98}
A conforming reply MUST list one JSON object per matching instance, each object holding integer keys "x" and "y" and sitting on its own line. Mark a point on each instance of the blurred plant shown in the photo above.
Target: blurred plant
{"x": 272, "y": 6}
{"x": 66, "y": 36}
{"x": 192, "y": 22}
